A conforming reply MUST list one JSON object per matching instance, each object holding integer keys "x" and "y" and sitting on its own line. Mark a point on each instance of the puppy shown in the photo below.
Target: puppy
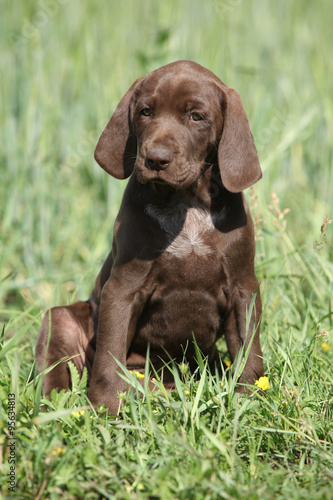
{"x": 182, "y": 260}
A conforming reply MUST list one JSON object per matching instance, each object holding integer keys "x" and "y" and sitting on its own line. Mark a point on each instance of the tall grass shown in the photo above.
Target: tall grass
{"x": 64, "y": 66}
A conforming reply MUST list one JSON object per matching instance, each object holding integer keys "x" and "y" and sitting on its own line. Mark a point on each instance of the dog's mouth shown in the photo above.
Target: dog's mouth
{"x": 162, "y": 180}
{"x": 162, "y": 186}
{"x": 154, "y": 178}
{"x": 158, "y": 186}
{"x": 149, "y": 177}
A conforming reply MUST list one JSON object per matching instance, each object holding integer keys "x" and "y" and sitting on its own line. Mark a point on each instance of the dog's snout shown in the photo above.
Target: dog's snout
{"x": 158, "y": 159}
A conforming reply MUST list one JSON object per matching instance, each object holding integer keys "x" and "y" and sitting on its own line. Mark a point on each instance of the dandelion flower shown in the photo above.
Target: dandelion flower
{"x": 77, "y": 414}
{"x": 263, "y": 383}
{"x": 56, "y": 451}
{"x": 138, "y": 375}
{"x": 325, "y": 346}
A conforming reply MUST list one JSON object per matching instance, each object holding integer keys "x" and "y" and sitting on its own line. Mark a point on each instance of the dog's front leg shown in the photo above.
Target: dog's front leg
{"x": 243, "y": 332}
{"x": 120, "y": 309}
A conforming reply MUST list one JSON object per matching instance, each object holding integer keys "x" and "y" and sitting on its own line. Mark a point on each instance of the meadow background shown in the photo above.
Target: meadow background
{"x": 64, "y": 66}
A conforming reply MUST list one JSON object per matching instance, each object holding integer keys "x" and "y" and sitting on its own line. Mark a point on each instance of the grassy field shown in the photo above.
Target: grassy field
{"x": 64, "y": 66}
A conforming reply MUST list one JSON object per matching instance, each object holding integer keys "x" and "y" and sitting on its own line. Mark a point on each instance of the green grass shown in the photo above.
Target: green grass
{"x": 64, "y": 67}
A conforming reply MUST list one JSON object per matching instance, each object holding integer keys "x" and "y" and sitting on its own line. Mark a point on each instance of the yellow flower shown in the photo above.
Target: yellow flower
{"x": 56, "y": 451}
{"x": 263, "y": 383}
{"x": 138, "y": 375}
{"x": 325, "y": 346}
{"x": 77, "y": 414}
{"x": 227, "y": 362}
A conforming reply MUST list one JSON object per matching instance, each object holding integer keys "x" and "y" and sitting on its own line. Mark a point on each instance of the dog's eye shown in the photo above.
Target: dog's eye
{"x": 196, "y": 117}
{"x": 145, "y": 112}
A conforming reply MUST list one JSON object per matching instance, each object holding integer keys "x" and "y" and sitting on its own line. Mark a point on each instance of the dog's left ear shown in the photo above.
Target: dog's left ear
{"x": 116, "y": 149}
{"x": 237, "y": 155}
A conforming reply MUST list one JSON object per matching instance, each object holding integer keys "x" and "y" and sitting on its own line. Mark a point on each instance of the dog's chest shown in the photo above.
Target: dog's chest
{"x": 188, "y": 229}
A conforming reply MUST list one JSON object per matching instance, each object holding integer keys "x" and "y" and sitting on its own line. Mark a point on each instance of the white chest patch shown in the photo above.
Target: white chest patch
{"x": 185, "y": 227}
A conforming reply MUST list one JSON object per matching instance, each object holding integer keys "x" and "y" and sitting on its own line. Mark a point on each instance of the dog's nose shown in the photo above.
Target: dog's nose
{"x": 158, "y": 159}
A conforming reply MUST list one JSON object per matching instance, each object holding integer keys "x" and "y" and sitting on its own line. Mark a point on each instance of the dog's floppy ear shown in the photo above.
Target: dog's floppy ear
{"x": 116, "y": 149}
{"x": 237, "y": 155}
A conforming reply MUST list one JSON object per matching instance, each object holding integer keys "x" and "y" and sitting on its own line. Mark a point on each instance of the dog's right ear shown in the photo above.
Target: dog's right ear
{"x": 116, "y": 149}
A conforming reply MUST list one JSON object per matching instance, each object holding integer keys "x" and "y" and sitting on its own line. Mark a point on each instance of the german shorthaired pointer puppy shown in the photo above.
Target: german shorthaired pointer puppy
{"x": 182, "y": 260}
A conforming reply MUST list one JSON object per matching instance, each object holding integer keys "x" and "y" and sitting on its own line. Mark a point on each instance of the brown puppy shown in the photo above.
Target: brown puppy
{"x": 182, "y": 259}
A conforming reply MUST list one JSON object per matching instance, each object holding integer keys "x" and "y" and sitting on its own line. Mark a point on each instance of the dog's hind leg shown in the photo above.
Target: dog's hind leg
{"x": 65, "y": 331}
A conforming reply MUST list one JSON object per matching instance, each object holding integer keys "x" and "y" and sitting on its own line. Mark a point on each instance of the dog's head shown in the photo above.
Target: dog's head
{"x": 172, "y": 124}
